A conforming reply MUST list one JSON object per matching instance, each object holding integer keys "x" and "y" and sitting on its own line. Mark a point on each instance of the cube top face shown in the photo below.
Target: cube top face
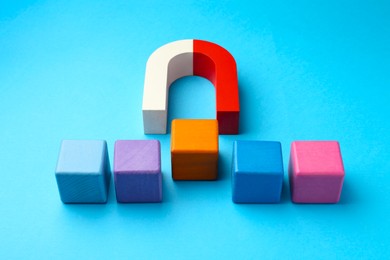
{"x": 81, "y": 157}
{"x": 194, "y": 136}
{"x": 137, "y": 156}
{"x": 252, "y": 157}
{"x": 317, "y": 158}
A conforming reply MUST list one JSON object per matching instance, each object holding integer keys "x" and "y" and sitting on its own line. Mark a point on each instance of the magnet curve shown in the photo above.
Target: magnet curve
{"x": 190, "y": 58}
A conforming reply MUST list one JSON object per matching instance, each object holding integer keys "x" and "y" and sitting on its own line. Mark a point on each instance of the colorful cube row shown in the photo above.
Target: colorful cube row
{"x": 83, "y": 171}
{"x": 83, "y": 174}
{"x": 316, "y": 169}
{"x": 316, "y": 172}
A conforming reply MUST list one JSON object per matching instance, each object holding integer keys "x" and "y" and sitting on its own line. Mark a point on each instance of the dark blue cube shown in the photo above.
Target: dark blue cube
{"x": 257, "y": 172}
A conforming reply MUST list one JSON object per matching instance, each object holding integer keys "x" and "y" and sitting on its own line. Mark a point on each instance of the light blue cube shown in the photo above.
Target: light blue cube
{"x": 257, "y": 172}
{"x": 83, "y": 171}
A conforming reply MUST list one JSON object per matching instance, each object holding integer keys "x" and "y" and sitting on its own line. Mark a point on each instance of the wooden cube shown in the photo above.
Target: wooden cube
{"x": 257, "y": 172}
{"x": 137, "y": 171}
{"x": 83, "y": 171}
{"x": 316, "y": 171}
{"x": 194, "y": 149}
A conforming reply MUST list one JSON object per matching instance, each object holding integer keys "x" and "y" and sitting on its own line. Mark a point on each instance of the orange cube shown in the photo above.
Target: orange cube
{"x": 194, "y": 149}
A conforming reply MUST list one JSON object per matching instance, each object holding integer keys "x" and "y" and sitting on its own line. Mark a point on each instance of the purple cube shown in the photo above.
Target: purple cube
{"x": 137, "y": 171}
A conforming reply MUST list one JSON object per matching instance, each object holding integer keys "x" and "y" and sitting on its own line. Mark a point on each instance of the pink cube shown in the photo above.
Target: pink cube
{"x": 316, "y": 171}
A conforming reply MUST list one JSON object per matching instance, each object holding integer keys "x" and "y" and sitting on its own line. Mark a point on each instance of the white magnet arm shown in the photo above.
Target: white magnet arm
{"x": 168, "y": 63}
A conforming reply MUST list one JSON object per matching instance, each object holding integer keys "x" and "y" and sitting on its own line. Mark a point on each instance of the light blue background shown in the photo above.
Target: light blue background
{"x": 307, "y": 70}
